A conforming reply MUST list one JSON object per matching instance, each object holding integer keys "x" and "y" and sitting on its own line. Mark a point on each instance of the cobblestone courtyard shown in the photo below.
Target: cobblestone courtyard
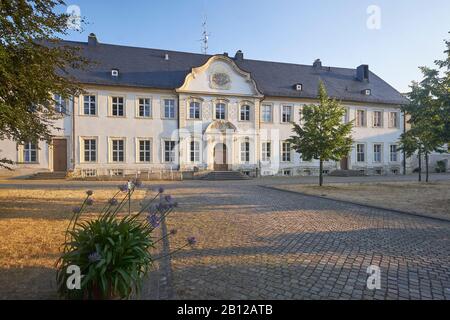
{"x": 257, "y": 243}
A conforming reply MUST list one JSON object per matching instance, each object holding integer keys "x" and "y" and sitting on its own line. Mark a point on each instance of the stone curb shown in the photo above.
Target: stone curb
{"x": 359, "y": 204}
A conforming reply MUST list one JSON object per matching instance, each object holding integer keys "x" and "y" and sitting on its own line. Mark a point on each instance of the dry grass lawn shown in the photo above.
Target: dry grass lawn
{"x": 32, "y": 226}
{"x": 431, "y": 199}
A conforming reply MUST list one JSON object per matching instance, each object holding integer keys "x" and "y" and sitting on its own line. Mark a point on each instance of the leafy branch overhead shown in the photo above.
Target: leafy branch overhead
{"x": 33, "y": 65}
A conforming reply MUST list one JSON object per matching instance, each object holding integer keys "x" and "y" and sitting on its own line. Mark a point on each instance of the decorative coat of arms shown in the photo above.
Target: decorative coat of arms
{"x": 220, "y": 80}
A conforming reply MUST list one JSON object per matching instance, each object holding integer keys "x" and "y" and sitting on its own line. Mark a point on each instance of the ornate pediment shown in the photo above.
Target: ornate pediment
{"x": 221, "y": 126}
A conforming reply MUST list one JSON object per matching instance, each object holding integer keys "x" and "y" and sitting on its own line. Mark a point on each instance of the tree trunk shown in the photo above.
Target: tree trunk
{"x": 426, "y": 166}
{"x": 321, "y": 173}
{"x": 420, "y": 166}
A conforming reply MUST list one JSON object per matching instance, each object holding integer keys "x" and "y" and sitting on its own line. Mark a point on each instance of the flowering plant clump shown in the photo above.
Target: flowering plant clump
{"x": 112, "y": 252}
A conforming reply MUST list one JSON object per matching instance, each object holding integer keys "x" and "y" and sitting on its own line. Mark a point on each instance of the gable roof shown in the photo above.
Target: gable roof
{"x": 142, "y": 67}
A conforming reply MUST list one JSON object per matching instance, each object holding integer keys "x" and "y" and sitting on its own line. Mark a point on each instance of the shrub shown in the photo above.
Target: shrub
{"x": 112, "y": 252}
{"x": 440, "y": 166}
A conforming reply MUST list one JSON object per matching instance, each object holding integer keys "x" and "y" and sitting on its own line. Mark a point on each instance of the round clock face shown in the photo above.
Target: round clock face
{"x": 220, "y": 79}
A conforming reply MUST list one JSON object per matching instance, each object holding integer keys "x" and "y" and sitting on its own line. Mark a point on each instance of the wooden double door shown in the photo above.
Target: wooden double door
{"x": 220, "y": 157}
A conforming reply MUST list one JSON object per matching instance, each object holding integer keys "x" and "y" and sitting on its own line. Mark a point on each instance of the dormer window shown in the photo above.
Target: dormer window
{"x": 367, "y": 92}
{"x": 298, "y": 87}
{"x": 115, "y": 73}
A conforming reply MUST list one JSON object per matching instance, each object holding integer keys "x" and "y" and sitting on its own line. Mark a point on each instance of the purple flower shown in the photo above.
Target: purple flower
{"x": 76, "y": 210}
{"x": 173, "y": 231}
{"x": 137, "y": 182}
{"x": 191, "y": 241}
{"x": 89, "y": 202}
{"x": 89, "y": 192}
{"x": 174, "y": 204}
{"x": 94, "y": 257}
{"x": 153, "y": 220}
{"x": 123, "y": 187}
{"x": 113, "y": 202}
{"x": 168, "y": 198}
{"x": 161, "y": 190}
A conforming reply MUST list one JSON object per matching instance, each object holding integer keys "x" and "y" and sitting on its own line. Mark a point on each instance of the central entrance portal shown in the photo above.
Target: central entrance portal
{"x": 220, "y": 157}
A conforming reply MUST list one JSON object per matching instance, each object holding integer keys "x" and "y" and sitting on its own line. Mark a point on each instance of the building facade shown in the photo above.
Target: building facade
{"x": 148, "y": 110}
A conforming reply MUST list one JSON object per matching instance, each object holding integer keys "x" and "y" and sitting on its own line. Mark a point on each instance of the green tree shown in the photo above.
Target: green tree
{"x": 33, "y": 66}
{"x": 323, "y": 135}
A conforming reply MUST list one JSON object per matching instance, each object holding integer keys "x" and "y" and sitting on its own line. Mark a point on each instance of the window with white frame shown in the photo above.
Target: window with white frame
{"x": 377, "y": 152}
{"x": 89, "y": 105}
{"x": 30, "y": 152}
{"x": 346, "y": 115}
{"x": 266, "y": 113}
{"x": 245, "y": 113}
{"x": 220, "y": 111}
{"x": 169, "y": 151}
{"x": 393, "y": 153}
{"x": 169, "y": 108}
{"x": 245, "y": 151}
{"x": 117, "y": 150}
{"x": 360, "y": 152}
{"x": 286, "y": 151}
{"x": 145, "y": 108}
{"x": 195, "y": 151}
{"x": 286, "y": 114}
{"x": 194, "y": 110}
{"x": 89, "y": 150}
{"x": 145, "y": 150}
{"x": 393, "y": 120}
{"x": 378, "y": 119}
{"x": 266, "y": 151}
{"x": 117, "y": 107}
{"x": 60, "y": 103}
{"x": 360, "y": 118}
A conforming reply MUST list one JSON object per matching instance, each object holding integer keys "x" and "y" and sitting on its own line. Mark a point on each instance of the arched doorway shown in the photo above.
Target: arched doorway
{"x": 220, "y": 157}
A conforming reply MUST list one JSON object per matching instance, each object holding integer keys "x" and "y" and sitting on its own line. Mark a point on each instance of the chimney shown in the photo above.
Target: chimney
{"x": 362, "y": 73}
{"x": 225, "y": 54}
{"x": 92, "y": 39}
{"x": 317, "y": 63}
{"x": 239, "y": 56}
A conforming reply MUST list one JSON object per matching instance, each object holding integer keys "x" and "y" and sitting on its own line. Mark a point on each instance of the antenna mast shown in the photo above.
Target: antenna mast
{"x": 205, "y": 36}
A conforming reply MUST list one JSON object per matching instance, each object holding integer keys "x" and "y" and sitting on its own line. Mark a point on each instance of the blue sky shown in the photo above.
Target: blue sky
{"x": 411, "y": 33}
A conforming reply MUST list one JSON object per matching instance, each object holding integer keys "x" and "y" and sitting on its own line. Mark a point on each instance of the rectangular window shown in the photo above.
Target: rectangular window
{"x": 377, "y": 152}
{"x": 194, "y": 110}
{"x": 393, "y": 120}
{"x": 169, "y": 151}
{"x": 220, "y": 111}
{"x": 266, "y": 113}
{"x": 245, "y": 151}
{"x": 393, "y": 153}
{"x": 286, "y": 152}
{"x": 378, "y": 119}
{"x": 145, "y": 108}
{"x": 266, "y": 151}
{"x": 90, "y": 150}
{"x": 117, "y": 108}
{"x": 245, "y": 113}
{"x": 145, "y": 150}
{"x": 286, "y": 114}
{"x": 195, "y": 151}
{"x": 30, "y": 152}
{"x": 169, "y": 108}
{"x": 118, "y": 150}
{"x": 360, "y": 152}
{"x": 60, "y": 103}
{"x": 346, "y": 115}
{"x": 360, "y": 118}
{"x": 89, "y": 105}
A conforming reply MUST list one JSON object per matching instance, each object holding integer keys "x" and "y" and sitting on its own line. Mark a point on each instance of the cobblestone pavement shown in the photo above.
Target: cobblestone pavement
{"x": 256, "y": 243}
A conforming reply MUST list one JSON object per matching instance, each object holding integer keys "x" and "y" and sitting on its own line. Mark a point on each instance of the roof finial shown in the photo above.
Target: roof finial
{"x": 205, "y": 36}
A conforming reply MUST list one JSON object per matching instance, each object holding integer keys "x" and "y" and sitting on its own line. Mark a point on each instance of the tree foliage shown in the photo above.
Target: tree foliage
{"x": 33, "y": 66}
{"x": 323, "y": 135}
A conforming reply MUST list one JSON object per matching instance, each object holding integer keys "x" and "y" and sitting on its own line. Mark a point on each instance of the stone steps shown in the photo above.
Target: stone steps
{"x": 225, "y": 175}
{"x": 48, "y": 176}
{"x": 346, "y": 173}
